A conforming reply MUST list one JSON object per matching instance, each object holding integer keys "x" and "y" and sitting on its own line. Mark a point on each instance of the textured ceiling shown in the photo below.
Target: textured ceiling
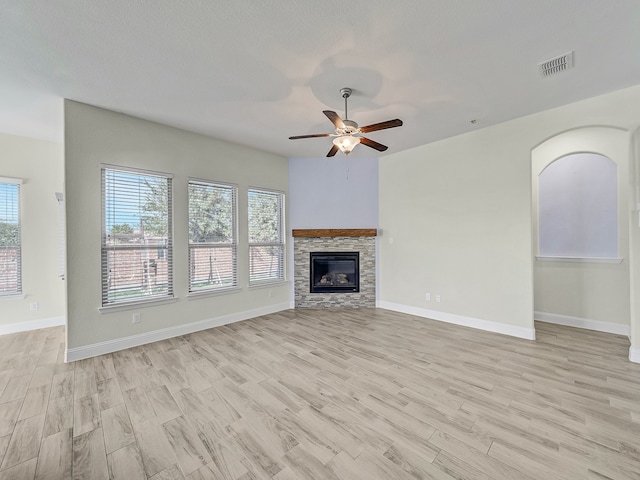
{"x": 257, "y": 71}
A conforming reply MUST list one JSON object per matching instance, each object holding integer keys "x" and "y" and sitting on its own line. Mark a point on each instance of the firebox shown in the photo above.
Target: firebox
{"x": 335, "y": 272}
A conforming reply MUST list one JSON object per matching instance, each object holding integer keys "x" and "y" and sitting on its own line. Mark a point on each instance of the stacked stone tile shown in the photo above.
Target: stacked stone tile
{"x": 302, "y": 246}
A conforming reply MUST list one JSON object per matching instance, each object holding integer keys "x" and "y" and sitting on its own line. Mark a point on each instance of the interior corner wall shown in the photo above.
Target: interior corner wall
{"x": 94, "y": 137}
{"x": 456, "y": 215}
{"x": 40, "y": 165}
{"x": 586, "y": 293}
{"x": 333, "y": 192}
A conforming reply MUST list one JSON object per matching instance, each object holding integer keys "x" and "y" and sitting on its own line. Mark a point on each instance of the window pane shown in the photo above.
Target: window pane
{"x": 266, "y": 262}
{"x": 578, "y": 207}
{"x": 211, "y": 213}
{"x": 135, "y": 274}
{"x": 137, "y": 251}
{"x": 266, "y": 239}
{"x": 211, "y": 267}
{"x": 264, "y": 217}
{"x": 10, "y": 257}
{"x": 212, "y": 236}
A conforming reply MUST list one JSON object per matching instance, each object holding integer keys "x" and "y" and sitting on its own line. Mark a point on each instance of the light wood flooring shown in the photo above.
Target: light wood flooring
{"x": 320, "y": 394}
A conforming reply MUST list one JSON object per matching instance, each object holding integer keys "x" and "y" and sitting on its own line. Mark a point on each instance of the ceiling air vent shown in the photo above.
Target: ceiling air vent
{"x": 556, "y": 65}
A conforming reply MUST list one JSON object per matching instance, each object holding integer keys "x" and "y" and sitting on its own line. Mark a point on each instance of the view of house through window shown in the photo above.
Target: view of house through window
{"x": 137, "y": 248}
{"x": 266, "y": 236}
{"x": 212, "y": 236}
{"x": 10, "y": 242}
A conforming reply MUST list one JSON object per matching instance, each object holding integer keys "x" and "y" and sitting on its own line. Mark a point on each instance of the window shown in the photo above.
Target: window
{"x": 578, "y": 207}
{"x": 212, "y": 236}
{"x": 10, "y": 254}
{"x": 266, "y": 236}
{"x": 137, "y": 251}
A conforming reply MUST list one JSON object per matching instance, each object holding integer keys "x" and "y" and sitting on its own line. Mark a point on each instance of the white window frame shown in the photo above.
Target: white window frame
{"x": 18, "y": 291}
{"x": 233, "y": 245}
{"x": 278, "y": 243}
{"x": 109, "y": 304}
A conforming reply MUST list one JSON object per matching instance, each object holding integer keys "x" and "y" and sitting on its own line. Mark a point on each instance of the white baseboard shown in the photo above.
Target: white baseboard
{"x": 634, "y": 355}
{"x": 586, "y": 323}
{"x": 101, "y": 348}
{"x": 31, "y": 325}
{"x": 496, "y": 327}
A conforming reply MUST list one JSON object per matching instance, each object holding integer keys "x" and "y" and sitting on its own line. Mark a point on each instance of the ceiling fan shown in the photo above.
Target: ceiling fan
{"x": 348, "y": 133}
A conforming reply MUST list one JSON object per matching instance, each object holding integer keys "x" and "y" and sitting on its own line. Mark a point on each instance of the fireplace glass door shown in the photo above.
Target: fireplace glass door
{"x": 335, "y": 272}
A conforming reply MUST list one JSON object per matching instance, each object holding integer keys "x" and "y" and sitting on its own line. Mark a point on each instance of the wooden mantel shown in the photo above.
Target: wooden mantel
{"x": 336, "y": 232}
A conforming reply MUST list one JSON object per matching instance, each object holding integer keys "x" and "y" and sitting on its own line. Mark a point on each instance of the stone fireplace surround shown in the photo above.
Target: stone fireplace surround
{"x": 335, "y": 240}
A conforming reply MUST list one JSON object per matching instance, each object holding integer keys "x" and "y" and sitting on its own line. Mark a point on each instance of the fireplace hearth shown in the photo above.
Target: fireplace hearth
{"x": 332, "y": 272}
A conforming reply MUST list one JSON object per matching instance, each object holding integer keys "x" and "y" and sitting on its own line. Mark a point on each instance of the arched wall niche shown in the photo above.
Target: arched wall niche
{"x": 584, "y": 292}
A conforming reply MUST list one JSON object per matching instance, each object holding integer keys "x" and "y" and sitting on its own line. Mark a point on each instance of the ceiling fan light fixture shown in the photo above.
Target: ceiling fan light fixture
{"x": 346, "y": 143}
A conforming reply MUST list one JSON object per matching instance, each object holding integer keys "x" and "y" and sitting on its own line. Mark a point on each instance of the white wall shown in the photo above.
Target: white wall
{"x": 94, "y": 136}
{"x": 333, "y": 192}
{"x": 588, "y": 293}
{"x": 40, "y": 165}
{"x": 459, "y": 214}
{"x": 456, "y": 222}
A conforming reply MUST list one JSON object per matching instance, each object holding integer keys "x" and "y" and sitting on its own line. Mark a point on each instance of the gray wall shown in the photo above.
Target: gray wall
{"x": 95, "y": 136}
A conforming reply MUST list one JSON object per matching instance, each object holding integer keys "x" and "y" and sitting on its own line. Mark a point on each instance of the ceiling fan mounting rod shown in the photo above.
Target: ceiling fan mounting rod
{"x": 346, "y": 93}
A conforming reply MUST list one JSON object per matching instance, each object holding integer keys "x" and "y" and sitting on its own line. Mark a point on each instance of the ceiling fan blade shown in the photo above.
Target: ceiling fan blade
{"x": 334, "y": 117}
{"x": 372, "y": 144}
{"x": 381, "y": 126}
{"x": 315, "y": 135}
{"x": 333, "y": 151}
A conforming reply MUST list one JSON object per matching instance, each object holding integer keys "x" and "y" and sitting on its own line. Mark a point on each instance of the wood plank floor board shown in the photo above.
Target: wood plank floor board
{"x": 126, "y": 464}
{"x": 324, "y": 394}
{"x": 117, "y": 429}
{"x": 22, "y": 471}
{"x": 86, "y": 414}
{"x": 155, "y": 449}
{"x": 9, "y": 413}
{"x": 186, "y": 443}
{"x": 25, "y": 442}
{"x": 59, "y": 415}
{"x": 55, "y": 459}
{"x": 89, "y": 456}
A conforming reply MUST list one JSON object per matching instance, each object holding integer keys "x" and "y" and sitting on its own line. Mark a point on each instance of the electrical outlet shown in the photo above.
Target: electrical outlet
{"x": 270, "y": 293}
{"x": 437, "y": 297}
{"x": 136, "y": 318}
{"x": 33, "y": 306}
{"x": 427, "y": 297}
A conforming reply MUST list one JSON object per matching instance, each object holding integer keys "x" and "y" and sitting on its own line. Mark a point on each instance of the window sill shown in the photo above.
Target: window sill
{"x": 16, "y": 296}
{"x": 579, "y": 259}
{"x": 120, "y": 307}
{"x": 213, "y": 293}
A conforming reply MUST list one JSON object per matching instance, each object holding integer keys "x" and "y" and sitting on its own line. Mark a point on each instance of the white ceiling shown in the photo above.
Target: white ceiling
{"x": 258, "y": 71}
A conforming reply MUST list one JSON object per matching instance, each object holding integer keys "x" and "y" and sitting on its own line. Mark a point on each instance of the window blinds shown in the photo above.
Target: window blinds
{"x": 213, "y": 242}
{"x": 10, "y": 238}
{"x": 137, "y": 250}
{"x": 266, "y": 236}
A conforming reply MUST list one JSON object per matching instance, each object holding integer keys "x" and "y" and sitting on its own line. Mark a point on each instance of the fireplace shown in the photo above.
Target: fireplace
{"x": 334, "y": 272}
